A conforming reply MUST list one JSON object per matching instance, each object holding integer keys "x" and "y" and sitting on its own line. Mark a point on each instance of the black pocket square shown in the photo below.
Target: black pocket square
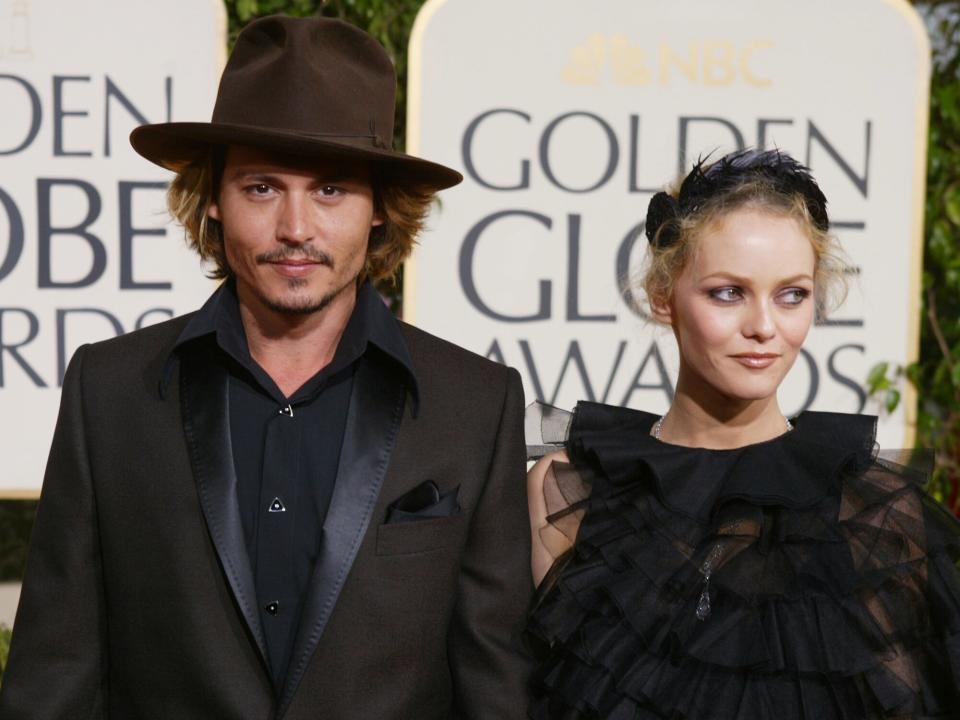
{"x": 423, "y": 502}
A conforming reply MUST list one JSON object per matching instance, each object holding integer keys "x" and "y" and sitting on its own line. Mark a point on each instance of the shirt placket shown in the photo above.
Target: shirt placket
{"x": 278, "y": 506}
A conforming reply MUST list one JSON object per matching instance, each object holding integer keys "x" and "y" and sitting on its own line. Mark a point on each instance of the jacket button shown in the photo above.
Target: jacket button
{"x": 272, "y": 607}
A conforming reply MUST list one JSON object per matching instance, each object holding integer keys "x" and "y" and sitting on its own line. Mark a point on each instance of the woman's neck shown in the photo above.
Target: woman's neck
{"x": 709, "y": 420}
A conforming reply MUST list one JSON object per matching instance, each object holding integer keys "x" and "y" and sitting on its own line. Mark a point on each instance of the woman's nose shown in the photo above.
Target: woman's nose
{"x": 758, "y": 322}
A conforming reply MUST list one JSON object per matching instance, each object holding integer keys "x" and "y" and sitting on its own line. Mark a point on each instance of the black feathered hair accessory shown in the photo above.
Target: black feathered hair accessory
{"x": 705, "y": 182}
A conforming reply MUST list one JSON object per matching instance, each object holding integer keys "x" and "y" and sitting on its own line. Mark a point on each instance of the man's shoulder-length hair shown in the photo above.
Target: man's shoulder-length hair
{"x": 403, "y": 205}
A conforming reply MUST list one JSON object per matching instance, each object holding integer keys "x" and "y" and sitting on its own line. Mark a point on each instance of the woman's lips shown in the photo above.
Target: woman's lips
{"x": 756, "y": 360}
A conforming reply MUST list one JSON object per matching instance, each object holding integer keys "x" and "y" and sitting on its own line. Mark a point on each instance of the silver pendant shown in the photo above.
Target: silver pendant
{"x": 703, "y": 605}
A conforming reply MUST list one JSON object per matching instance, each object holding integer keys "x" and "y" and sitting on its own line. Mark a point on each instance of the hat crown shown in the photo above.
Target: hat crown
{"x": 309, "y": 76}
{"x": 304, "y": 87}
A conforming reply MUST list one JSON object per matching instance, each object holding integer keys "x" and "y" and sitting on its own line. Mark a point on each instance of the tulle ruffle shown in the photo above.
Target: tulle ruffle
{"x": 825, "y": 577}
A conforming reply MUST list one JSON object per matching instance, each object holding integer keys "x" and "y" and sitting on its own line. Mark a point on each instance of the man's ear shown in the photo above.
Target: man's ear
{"x": 213, "y": 211}
{"x": 378, "y": 218}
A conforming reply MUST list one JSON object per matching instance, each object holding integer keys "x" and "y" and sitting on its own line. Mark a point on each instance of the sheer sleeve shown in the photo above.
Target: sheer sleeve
{"x": 565, "y": 491}
{"x": 905, "y": 548}
{"x": 546, "y": 429}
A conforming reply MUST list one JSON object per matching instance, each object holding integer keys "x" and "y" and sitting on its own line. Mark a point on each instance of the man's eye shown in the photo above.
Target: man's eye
{"x": 259, "y": 189}
{"x": 330, "y": 190}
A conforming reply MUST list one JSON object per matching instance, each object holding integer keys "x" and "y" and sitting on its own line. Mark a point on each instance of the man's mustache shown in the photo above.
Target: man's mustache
{"x": 304, "y": 252}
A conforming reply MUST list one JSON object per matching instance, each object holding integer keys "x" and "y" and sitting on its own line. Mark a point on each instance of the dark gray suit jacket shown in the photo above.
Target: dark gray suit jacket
{"x": 138, "y": 599}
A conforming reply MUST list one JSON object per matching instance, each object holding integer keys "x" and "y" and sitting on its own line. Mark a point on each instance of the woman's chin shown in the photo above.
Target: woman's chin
{"x": 747, "y": 392}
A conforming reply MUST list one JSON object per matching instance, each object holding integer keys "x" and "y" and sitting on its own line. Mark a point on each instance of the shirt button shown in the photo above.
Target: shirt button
{"x": 272, "y": 607}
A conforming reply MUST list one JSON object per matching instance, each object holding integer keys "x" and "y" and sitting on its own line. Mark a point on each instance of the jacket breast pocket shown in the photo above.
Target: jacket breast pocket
{"x": 420, "y": 536}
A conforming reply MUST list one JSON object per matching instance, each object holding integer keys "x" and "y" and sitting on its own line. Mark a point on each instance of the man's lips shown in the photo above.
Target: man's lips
{"x": 306, "y": 256}
{"x": 294, "y": 267}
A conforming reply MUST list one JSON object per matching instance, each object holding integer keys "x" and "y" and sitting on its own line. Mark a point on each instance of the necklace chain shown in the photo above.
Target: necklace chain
{"x": 658, "y": 425}
{"x": 703, "y": 608}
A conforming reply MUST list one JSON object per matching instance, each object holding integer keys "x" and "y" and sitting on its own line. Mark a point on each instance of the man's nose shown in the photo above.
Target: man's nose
{"x": 294, "y": 219}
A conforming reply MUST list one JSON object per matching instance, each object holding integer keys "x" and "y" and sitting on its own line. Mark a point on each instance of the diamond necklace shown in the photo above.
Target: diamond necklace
{"x": 658, "y": 425}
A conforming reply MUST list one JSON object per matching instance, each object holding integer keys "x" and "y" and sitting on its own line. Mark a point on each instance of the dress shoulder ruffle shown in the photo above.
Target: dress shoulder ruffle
{"x": 804, "y": 577}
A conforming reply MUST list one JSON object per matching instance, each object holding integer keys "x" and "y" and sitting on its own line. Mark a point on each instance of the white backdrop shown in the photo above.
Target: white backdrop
{"x": 566, "y": 117}
{"x": 86, "y": 251}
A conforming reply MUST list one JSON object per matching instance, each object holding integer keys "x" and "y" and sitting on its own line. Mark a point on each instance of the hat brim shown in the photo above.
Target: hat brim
{"x": 175, "y": 145}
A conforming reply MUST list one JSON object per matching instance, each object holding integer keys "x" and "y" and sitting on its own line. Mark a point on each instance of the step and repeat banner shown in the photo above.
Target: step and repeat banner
{"x": 566, "y": 118}
{"x": 86, "y": 247}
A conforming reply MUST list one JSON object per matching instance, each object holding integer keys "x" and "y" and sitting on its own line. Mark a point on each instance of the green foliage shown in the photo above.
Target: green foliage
{"x": 936, "y": 375}
{"x": 16, "y": 521}
{"x": 5, "y": 633}
{"x": 884, "y": 388}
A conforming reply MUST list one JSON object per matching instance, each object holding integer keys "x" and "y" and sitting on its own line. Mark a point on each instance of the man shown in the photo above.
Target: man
{"x": 288, "y": 504}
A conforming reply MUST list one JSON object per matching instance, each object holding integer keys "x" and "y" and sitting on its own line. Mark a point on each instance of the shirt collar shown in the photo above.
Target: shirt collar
{"x": 370, "y": 323}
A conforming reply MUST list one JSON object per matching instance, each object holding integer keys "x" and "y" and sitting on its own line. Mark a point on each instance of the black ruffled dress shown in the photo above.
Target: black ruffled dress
{"x": 802, "y": 577}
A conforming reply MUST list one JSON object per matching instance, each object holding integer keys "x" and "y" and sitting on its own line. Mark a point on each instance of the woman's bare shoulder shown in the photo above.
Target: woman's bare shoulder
{"x": 544, "y": 544}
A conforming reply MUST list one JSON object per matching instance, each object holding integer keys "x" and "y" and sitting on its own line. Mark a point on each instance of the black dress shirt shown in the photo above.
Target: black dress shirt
{"x": 286, "y": 450}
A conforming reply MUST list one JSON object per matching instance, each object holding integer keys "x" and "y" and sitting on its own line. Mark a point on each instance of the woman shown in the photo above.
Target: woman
{"x": 723, "y": 561}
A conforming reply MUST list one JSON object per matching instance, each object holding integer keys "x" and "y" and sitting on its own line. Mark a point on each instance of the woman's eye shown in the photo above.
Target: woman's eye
{"x": 794, "y": 296}
{"x": 726, "y": 294}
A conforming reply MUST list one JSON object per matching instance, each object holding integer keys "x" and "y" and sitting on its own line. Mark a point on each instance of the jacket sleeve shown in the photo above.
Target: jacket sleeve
{"x": 489, "y": 663}
{"x": 57, "y": 662}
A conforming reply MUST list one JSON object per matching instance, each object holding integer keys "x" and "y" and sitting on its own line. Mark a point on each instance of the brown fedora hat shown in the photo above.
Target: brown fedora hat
{"x": 301, "y": 86}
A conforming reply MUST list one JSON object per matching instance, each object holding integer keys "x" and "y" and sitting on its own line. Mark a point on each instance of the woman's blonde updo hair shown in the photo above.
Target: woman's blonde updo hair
{"x": 770, "y": 181}
{"x": 404, "y": 207}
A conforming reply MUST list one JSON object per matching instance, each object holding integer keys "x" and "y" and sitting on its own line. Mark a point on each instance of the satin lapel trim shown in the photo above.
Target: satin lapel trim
{"x": 205, "y": 403}
{"x": 373, "y": 419}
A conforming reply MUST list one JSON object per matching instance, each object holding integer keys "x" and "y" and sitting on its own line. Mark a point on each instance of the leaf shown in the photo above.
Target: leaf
{"x": 893, "y": 400}
{"x": 913, "y": 373}
{"x": 877, "y": 375}
{"x": 246, "y": 9}
{"x": 941, "y": 244}
{"x": 951, "y": 203}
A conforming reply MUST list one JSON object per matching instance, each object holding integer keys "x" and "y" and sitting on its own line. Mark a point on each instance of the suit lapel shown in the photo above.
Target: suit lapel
{"x": 205, "y": 401}
{"x": 373, "y": 419}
